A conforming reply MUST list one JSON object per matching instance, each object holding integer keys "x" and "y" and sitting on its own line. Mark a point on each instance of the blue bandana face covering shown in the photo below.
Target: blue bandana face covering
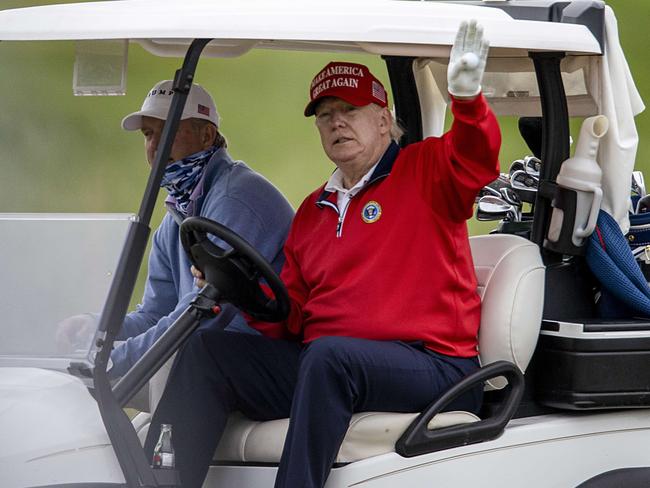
{"x": 182, "y": 176}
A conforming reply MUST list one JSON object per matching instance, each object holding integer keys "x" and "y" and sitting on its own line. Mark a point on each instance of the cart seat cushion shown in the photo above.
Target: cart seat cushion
{"x": 510, "y": 275}
{"x": 370, "y": 434}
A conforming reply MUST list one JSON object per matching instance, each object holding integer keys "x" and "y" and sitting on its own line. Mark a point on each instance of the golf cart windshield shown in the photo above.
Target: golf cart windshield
{"x": 54, "y": 266}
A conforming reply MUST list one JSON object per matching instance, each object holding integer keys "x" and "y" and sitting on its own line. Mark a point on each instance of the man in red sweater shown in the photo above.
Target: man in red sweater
{"x": 384, "y": 310}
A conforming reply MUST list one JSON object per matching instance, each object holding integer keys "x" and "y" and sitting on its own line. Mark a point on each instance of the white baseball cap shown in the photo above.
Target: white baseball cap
{"x": 199, "y": 105}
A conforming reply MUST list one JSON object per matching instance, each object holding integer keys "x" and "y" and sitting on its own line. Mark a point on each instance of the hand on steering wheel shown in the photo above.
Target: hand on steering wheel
{"x": 235, "y": 273}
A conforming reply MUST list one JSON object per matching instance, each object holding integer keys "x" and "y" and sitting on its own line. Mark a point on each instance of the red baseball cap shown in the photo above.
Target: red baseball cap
{"x": 351, "y": 82}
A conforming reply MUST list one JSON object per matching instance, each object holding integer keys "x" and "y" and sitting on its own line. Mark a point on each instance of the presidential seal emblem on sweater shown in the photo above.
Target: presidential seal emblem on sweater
{"x": 371, "y": 212}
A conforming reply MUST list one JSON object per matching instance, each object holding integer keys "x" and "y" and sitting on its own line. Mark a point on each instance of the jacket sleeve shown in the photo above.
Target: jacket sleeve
{"x": 126, "y": 354}
{"x": 256, "y": 229}
{"x": 161, "y": 307}
{"x": 160, "y": 294}
{"x": 452, "y": 169}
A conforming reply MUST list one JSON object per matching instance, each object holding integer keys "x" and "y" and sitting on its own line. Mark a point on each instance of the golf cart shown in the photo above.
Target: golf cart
{"x": 567, "y": 398}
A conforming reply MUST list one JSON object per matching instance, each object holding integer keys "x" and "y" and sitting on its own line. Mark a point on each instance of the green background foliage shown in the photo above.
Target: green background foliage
{"x": 60, "y": 153}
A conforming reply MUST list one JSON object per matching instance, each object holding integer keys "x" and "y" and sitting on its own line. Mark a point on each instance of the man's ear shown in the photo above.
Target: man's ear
{"x": 385, "y": 120}
{"x": 208, "y": 135}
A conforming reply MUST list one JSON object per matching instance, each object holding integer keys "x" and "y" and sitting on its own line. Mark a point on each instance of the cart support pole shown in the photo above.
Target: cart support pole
{"x": 555, "y": 141}
{"x": 129, "y": 452}
{"x": 205, "y": 305}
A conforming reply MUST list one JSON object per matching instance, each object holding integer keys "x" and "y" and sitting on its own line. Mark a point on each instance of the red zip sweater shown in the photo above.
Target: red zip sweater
{"x": 396, "y": 265}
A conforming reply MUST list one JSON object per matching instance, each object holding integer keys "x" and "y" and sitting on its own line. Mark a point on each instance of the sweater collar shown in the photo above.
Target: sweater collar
{"x": 383, "y": 169}
{"x": 217, "y": 164}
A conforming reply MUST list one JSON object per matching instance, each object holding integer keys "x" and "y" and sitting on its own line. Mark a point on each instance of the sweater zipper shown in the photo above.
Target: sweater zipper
{"x": 341, "y": 214}
{"x": 339, "y": 225}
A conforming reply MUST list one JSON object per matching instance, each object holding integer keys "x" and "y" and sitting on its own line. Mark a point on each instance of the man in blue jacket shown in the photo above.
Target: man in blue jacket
{"x": 201, "y": 179}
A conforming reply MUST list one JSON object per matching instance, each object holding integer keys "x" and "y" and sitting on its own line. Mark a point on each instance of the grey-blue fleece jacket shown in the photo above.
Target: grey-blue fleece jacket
{"x": 233, "y": 195}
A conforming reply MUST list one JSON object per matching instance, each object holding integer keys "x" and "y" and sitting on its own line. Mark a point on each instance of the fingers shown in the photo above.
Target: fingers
{"x": 470, "y": 37}
{"x": 461, "y": 36}
{"x": 474, "y": 37}
{"x": 74, "y": 333}
{"x": 459, "y": 44}
{"x": 467, "y": 60}
{"x": 483, "y": 53}
{"x": 198, "y": 277}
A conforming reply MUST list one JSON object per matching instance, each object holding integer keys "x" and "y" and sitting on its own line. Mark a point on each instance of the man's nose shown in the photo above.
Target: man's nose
{"x": 338, "y": 119}
{"x": 152, "y": 148}
{"x": 153, "y": 142}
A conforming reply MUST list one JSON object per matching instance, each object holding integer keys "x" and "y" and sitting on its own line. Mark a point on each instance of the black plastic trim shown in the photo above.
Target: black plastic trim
{"x": 576, "y": 401}
{"x": 566, "y": 200}
{"x": 600, "y": 325}
{"x": 124, "y": 439}
{"x": 405, "y": 93}
{"x": 260, "y": 464}
{"x": 550, "y": 325}
{"x": 590, "y": 14}
{"x": 547, "y": 189}
{"x": 590, "y": 374}
{"x": 616, "y": 326}
{"x": 555, "y": 138}
{"x": 82, "y": 485}
{"x": 638, "y": 477}
{"x": 569, "y": 291}
{"x": 167, "y": 344}
{"x": 604, "y": 345}
{"x": 418, "y": 439}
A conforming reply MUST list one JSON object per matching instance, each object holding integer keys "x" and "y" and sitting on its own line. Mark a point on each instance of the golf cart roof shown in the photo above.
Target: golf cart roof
{"x": 389, "y": 27}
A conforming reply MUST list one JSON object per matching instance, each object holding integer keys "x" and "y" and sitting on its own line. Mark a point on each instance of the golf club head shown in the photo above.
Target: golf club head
{"x": 517, "y": 165}
{"x": 510, "y": 196}
{"x": 494, "y": 208}
{"x": 502, "y": 181}
{"x": 643, "y": 205}
{"x": 532, "y": 165}
{"x": 524, "y": 185}
{"x": 487, "y": 190}
{"x": 514, "y": 215}
{"x": 523, "y": 181}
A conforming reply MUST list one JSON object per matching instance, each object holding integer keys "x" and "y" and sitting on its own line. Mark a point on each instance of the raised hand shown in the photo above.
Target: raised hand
{"x": 467, "y": 61}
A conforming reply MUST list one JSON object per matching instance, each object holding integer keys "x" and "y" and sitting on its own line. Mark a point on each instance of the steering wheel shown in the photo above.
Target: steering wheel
{"x": 236, "y": 273}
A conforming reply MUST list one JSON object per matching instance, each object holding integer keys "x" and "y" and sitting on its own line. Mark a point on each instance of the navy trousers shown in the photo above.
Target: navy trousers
{"x": 319, "y": 386}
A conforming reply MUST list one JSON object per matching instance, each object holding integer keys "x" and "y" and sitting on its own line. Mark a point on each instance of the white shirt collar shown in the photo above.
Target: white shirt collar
{"x": 335, "y": 182}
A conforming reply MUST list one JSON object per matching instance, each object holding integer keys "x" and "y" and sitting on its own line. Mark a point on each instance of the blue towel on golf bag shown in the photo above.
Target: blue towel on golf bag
{"x": 625, "y": 291}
